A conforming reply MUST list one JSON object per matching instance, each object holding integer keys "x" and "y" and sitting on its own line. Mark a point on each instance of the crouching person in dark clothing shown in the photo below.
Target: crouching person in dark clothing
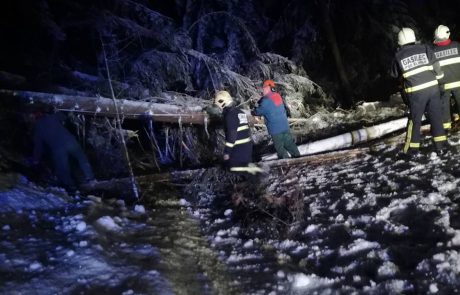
{"x": 238, "y": 142}
{"x": 49, "y": 135}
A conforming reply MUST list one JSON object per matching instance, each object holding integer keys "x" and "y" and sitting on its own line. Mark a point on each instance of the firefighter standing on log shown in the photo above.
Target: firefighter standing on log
{"x": 271, "y": 106}
{"x": 447, "y": 52}
{"x": 420, "y": 71}
{"x": 238, "y": 142}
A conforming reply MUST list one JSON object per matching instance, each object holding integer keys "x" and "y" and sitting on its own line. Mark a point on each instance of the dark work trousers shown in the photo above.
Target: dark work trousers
{"x": 241, "y": 155}
{"x": 62, "y": 156}
{"x": 284, "y": 143}
{"x": 445, "y": 101}
{"x": 420, "y": 101}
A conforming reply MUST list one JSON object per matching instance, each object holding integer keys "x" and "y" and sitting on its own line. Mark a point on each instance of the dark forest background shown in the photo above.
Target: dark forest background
{"x": 194, "y": 47}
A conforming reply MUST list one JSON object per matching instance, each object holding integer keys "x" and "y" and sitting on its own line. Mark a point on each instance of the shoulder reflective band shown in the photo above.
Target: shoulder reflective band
{"x": 229, "y": 144}
{"x": 414, "y": 145}
{"x": 440, "y": 138}
{"x": 438, "y": 77}
{"x": 452, "y": 85}
{"x": 421, "y": 86}
{"x": 449, "y": 61}
{"x": 416, "y": 71}
{"x": 241, "y": 128}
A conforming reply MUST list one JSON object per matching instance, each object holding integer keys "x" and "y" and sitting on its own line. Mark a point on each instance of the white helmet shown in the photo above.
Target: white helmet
{"x": 441, "y": 33}
{"x": 406, "y": 36}
{"x": 222, "y": 99}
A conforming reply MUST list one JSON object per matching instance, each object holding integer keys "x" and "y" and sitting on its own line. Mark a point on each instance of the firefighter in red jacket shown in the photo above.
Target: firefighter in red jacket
{"x": 420, "y": 71}
{"x": 447, "y": 52}
{"x": 238, "y": 142}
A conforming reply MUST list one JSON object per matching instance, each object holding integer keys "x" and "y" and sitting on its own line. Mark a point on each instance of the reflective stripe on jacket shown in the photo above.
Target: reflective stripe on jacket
{"x": 448, "y": 55}
{"x": 417, "y": 65}
{"x": 238, "y": 142}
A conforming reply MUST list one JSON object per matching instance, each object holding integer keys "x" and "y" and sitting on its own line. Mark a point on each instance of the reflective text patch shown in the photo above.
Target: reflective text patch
{"x": 414, "y": 61}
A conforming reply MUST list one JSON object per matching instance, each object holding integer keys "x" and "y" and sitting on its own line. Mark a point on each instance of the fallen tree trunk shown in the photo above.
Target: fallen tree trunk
{"x": 101, "y": 106}
{"x": 347, "y": 139}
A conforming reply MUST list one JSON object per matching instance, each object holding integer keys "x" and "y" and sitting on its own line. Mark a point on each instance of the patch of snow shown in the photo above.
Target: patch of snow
{"x": 248, "y": 244}
{"x": 305, "y": 282}
{"x": 139, "y": 209}
{"x": 184, "y": 203}
{"x": 107, "y": 223}
{"x": 455, "y": 240}
{"x": 35, "y": 266}
{"x": 387, "y": 269}
{"x": 359, "y": 245}
{"x": 434, "y": 288}
{"x": 81, "y": 226}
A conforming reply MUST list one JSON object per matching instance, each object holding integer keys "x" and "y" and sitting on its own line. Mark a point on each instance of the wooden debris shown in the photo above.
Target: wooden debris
{"x": 101, "y": 106}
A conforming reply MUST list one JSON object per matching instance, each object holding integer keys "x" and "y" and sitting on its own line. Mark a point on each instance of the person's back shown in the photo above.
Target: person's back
{"x": 447, "y": 52}
{"x": 271, "y": 107}
{"x": 51, "y": 136}
{"x": 417, "y": 66}
{"x": 50, "y": 133}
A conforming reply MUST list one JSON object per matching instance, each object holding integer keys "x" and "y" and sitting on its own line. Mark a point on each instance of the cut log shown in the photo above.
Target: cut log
{"x": 101, "y": 106}
{"x": 316, "y": 159}
{"x": 348, "y": 139}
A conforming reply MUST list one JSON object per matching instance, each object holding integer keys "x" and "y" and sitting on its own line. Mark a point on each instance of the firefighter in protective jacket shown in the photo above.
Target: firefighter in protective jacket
{"x": 238, "y": 142}
{"x": 420, "y": 71}
{"x": 447, "y": 52}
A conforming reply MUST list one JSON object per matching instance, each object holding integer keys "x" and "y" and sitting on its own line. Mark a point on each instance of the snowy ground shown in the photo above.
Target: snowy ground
{"x": 372, "y": 223}
{"x": 375, "y": 223}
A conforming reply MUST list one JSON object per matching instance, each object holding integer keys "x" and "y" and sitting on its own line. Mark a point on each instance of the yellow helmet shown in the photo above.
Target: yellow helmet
{"x": 441, "y": 33}
{"x": 222, "y": 99}
{"x": 406, "y": 36}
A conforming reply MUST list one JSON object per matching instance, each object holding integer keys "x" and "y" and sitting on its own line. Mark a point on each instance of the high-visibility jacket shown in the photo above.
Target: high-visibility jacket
{"x": 418, "y": 67}
{"x": 448, "y": 54}
{"x": 238, "y": 142}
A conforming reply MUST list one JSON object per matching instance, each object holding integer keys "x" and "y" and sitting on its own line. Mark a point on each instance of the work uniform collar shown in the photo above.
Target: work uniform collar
{"x": 442, "y": 43}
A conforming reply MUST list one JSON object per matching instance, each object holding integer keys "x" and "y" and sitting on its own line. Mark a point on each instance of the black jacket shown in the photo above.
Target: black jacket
{"x": 418, "y": 67}
{"x": 238, "y": 142}
{"x": 449, "y": 60}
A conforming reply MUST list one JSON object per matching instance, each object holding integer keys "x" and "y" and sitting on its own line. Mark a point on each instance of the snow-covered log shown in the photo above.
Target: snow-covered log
{"x": 348, "y": 139}
{"x": 101, "y": 106}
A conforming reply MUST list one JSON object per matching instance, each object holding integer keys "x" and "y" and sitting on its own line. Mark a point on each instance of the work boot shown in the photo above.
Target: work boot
{"x": 411, "y": 154}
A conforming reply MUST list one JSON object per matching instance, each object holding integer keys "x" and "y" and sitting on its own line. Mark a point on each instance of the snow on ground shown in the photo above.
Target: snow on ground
{"x": 373, "y": 223}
